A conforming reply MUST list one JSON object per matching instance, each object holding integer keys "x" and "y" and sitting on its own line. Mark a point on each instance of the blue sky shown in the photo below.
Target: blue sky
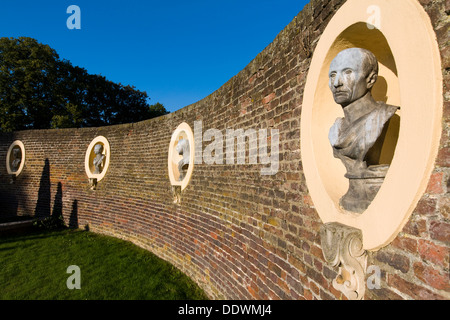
{"x": 177, "y": 51}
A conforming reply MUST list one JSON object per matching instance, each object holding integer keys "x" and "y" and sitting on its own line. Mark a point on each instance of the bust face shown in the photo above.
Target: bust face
{"x": 183, "y": 148}
{"x": 16, "y": 153}
{"x": 179, "y": 148}
{"x": 347, "y": 77}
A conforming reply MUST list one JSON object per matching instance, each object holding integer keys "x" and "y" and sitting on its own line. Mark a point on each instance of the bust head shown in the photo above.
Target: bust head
{"x": 98, "y": 148}
{"x": 16, "y": 153}
{"x": 352, "y": 74}
{"x": 183, "y": 149}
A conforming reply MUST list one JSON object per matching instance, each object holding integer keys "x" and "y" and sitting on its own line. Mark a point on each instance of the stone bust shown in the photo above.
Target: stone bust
{"x": 98, "y": 160}
{"x": 352, "y": 75}
{"x": 183, "y": 149}
{"x": 17, "y": 159}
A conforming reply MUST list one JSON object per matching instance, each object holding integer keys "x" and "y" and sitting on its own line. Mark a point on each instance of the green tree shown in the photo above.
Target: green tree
{"x": 28, "y": 72}
{"x": 38, "y": 90}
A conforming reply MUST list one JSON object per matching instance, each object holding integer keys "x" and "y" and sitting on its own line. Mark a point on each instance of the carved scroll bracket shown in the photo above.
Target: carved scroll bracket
{"x": 12, "y": 178}
{"x": 176, "y": 191}
{"x": 343, "y": 247}
{"x": 93, "y": 183}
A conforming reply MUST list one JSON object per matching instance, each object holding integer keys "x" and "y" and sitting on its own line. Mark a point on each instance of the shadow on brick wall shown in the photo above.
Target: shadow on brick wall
{"x": 73, "y": 219}
{"x": 42, "y": 209}
{"x": 58, "y": 203}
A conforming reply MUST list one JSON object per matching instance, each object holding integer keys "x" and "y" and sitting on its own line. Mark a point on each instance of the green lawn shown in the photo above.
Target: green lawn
{"x": 34, "y": 266}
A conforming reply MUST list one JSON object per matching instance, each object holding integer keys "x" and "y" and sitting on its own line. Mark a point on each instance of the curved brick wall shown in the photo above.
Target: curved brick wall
{"x": 237, "y": 233}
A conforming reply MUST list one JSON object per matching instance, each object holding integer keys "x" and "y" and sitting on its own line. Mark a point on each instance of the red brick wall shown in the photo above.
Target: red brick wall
{"x": 238, "y": 234}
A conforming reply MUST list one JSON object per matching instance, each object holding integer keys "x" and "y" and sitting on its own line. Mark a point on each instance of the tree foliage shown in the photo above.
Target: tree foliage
{"x": 38, "y": 90}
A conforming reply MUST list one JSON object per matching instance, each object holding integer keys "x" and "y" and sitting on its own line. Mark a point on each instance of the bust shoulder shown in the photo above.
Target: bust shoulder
{"x": 381, "y": 114}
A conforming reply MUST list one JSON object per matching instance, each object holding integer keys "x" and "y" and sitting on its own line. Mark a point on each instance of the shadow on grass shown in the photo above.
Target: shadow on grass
{"x": 32, "y": 235}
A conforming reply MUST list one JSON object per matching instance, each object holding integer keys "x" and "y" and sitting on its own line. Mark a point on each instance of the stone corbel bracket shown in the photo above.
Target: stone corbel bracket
{"x": 93, "y": 183}
{"x": 176, "y": 191}
{"x": 12, "y": 178}
{"x": 343, "y": 247}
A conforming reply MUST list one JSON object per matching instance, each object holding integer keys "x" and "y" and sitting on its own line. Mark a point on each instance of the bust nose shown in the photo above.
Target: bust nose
{"x": 337, "y": 81}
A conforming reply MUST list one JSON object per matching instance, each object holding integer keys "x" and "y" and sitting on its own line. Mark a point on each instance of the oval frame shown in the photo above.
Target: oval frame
{"x": 182, "y": 129}
{"x": 8, "y": 157}
{"x": 411, "y": 38}
{"x": 88, "y": 157}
